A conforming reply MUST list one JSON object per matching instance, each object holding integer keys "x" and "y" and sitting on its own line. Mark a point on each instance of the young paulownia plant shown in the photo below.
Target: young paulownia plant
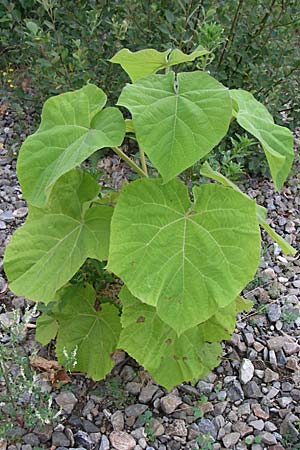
{"x": 183, "y": 257}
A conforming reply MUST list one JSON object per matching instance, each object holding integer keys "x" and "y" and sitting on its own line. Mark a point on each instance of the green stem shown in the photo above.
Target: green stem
{"x": 231, "y": 32}
{"x": 132, "y": 164}
{"x": 143, "y": 161}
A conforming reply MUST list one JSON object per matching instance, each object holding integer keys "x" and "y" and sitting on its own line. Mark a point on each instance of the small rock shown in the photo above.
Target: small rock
{"x": 273, "y": 392}
{"x": 268, "y": 438}
{"x": 127, "y": 373}
{"x": 7, "y": 216}
{"x": 291, "y": 348}
{"x": 147, "y": 393}
{"x": 235, "y": 391}
{"x": 270, "y": 426}
{"x": 89, "y": 427}
{"x": 257, "y": 424}
{"x": 276, "y": 343}
{"x": 3, "y": 444}
{"x": 274, "y": 312}
{"x": 259, "y": 412}
{"x": 272, "y": 358}
{"x": 104, "y": 445}
{"x": 135, "y": 410}
{"x": 252, "y": 390}
{"x": 246, "y": 371}
{"x": 67, "y": 401}
{"x": 292, "y": 363}
{"x": 204, "y": 388}
{"x": 169, "y": 403}
{"x": 59, "y": 439}
{"x": 270, "y": 376}
{"x": 206, "y": 426}
{"x": 117, "y": 421}
{"x": 284, "y": 401}
{"x": 121, "y": 440}
{"x": 83, "y": 439}
{"x": 2, "y": 225}
{"x": 157, "y": 427}
{"x": 20, "y": 213}
{"x": 178, "y": 428}
{"x": 242, "y": 428}
{"x": 281, "y": 359}
{"x": 31, "y": 439}
{"x": 231, "y": 439}
{"x": 133, "y": 387}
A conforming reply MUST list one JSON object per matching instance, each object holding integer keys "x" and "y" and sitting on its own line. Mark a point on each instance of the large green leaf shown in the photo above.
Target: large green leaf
{"x": 148, "y": 61}
{"x": 74, "y": 125}
{"x": 168, "y": 358}
{"x": 261, "y": 212}
{"x": 177, "y": 119}
{"x": 276, "y": 141}
{"x": 186, "y": 259}
{"x": 90, "y": 335}
{"x": 55, "y": 241}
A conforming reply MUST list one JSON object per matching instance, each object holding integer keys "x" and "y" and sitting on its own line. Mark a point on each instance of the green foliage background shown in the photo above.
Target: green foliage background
{"x": 60, "y": 45}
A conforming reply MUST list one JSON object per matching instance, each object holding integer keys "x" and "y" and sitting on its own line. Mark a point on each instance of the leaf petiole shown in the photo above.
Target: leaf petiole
{"x": 131, "y": 163}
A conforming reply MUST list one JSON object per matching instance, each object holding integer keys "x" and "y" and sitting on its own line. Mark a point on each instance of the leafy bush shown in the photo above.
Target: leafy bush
{"x": 183, "y": 255}
{"x": 52, "y": 46}
{"x": 57, "y": 44}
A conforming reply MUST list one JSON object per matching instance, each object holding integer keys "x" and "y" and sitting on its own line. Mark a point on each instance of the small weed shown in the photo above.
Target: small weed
{"x": 22, "y": 401}
{"x": 198, "y": 412}
{"x": 290, "y": 315}
{"x": 149, "y": 430}
{"x": 205, "y": 442}
{"x": 115, "y": 389}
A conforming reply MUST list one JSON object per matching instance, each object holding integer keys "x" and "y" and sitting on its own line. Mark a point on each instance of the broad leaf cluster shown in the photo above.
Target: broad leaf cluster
{"x": 183, "y": 255}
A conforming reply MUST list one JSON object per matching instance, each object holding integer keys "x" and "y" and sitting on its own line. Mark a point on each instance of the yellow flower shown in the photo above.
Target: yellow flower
{"x": 4, "y": 73}
{"x": 11, "y": 85}
{"x": 10, "y": 70}
{"x": 9, "y": 81}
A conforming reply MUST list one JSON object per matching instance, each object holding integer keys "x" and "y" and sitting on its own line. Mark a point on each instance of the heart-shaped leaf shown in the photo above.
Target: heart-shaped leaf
{"x": 177, "y": 120}
{"x": 148, "y": 61}
{"x": 55, "y": 241}
{"x": 73, "y": 126}
{"x": 276, "y": 141}
{"x": 85, "y": 335}
{"x": 186, "y": 259}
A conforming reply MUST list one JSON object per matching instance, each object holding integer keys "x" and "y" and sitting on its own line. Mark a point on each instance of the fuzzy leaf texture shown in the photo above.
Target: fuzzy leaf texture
{"x": 73, "y": 126}
{"x": 89, "y": 334}
{"x": 177, "y": 119}
{"x": 187, "y": 260}
{"x": 50, "y": 247}
{"x": 276, "y": 141}
{"x": 168, "y": 358}
{"x": 148, "y": 61}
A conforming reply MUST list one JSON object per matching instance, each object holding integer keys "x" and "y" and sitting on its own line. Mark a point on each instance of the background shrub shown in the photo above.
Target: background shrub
{"x": 50, "y": 46}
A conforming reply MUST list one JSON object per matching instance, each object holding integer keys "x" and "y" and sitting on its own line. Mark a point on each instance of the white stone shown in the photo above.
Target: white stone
{"x": 246, "y": 371}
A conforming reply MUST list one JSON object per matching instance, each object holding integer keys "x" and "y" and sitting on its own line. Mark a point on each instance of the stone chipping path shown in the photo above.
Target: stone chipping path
{"x": 251, "y": 401}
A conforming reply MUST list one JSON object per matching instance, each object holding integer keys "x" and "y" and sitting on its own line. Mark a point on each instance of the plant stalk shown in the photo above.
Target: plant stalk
{"x": 143, "y": 161}
{"x": 132, "y": 164}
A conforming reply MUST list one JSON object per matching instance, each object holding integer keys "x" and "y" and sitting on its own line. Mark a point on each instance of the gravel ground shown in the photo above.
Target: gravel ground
{"x": 251, "y": 401}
